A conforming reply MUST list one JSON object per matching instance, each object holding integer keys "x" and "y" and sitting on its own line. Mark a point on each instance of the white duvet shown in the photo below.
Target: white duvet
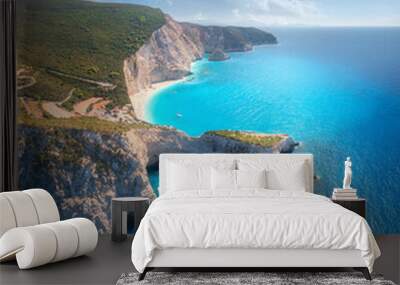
{"x": 250, "y": 219}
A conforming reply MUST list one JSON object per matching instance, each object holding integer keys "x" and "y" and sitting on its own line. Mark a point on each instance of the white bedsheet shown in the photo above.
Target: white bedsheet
{"x": 250, "y": 219}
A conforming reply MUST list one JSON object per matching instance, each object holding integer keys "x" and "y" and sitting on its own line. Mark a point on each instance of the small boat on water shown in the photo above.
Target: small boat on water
{"x": 179, "y": 115}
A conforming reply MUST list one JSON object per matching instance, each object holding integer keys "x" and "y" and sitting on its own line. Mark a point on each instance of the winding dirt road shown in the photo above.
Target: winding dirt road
{"x": 82, "y": 106}
{"x": 53, "y": 109}
{"x": 102, "y": 84}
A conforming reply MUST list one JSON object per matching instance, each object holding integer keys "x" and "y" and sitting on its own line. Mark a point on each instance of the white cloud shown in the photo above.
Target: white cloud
{"x": 236, "y": 12}
{"x": 277, "y": 12}
{"x": 200, "y": 17}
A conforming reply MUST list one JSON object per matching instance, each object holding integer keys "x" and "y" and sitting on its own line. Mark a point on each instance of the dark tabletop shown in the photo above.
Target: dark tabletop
{"x": 130, "y": 199}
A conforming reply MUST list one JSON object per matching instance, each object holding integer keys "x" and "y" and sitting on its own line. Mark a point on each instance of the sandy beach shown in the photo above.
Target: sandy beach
{"x": 140, "y": 100}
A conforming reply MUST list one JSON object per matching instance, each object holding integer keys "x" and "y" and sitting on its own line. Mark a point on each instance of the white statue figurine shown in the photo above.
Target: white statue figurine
{"x": 347, "y": 174}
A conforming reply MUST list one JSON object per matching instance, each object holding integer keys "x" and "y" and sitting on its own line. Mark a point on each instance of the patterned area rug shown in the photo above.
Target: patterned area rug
{"x": 269, "y": 278}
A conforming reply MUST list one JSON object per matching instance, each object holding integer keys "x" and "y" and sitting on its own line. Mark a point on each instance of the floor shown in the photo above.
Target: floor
{"x": 103, "y": 266}
{"x": 110, "y": 260}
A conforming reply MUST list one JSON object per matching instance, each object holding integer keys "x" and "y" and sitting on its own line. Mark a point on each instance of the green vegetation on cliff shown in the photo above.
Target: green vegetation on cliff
{"x": 253, "y": 35}
{"x": 262, "y": 140}
{"x": 82, "y": 123}
{"x": 236, "y": 36}
{"x": 80, "y": 39}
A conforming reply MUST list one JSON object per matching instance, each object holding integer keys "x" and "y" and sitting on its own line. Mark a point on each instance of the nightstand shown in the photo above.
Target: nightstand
{"x": 358, "y": 205}
{"x": 120, "y": 207}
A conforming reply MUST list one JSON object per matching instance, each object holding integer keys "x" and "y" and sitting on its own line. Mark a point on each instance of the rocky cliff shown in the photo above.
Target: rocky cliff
{"x": 84, "y": 170}
{"x": 247, "y": 142}
{"x": 167, "y": 56}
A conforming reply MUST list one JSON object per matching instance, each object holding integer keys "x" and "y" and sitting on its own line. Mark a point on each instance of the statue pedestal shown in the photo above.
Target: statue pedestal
{"x": 344, "y": 194}
{"x": 345, "y": 190}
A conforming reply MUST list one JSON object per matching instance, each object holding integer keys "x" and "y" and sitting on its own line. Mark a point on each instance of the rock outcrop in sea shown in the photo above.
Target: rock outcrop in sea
{"x": 218, "y": 55}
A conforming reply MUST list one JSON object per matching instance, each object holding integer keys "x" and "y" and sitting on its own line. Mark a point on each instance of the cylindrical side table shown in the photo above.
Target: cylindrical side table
{"x": 120, "y": 207}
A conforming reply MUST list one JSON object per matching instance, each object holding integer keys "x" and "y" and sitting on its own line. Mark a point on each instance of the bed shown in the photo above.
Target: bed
{"x": 246, "y": 211}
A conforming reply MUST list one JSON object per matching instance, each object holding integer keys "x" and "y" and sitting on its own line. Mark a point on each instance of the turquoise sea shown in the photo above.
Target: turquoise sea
{"x": 335, "y": 90}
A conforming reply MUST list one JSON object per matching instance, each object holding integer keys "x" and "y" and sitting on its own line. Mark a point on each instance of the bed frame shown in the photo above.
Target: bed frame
{"x": 246, "y": 259}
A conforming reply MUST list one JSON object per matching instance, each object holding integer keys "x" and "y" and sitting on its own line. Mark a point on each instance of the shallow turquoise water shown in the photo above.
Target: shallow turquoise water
{"x": 337, "y": 91}
{"x": 154, "y": 181}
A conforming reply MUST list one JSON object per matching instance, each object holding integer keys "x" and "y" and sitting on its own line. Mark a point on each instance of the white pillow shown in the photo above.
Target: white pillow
{"x": 182, "y": 177}
{"x": 223, "y": 179}
{"x": 292, "y": 179}
{"x": 281, "y": 174}
{"x": 251, "y": 178}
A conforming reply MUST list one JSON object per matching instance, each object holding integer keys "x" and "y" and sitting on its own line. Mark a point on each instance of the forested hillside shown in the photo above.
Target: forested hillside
{"x": 66, "y": 44}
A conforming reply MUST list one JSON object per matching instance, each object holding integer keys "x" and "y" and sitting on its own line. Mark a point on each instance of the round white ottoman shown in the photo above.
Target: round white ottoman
{"x": 52, "y": 242}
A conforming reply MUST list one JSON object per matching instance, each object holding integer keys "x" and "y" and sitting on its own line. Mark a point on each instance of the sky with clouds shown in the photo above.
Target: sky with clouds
{"x": 263, "y": 13}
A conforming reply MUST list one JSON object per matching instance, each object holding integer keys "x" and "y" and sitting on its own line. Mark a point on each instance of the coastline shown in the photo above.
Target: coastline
{"x": 141, "y": 99}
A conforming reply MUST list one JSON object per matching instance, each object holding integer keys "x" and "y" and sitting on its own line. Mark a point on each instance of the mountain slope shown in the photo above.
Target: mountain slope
{"x": 81, "y": 39}
{"x": 231, "y": 39}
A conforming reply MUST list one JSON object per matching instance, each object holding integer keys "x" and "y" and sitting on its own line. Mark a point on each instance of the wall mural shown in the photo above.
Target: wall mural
{"x": 104, "y": 88}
